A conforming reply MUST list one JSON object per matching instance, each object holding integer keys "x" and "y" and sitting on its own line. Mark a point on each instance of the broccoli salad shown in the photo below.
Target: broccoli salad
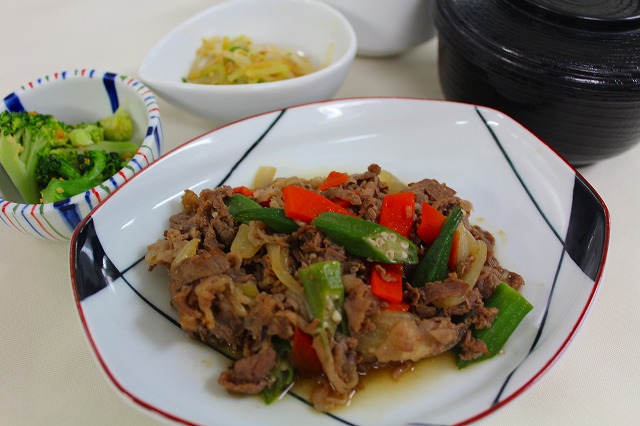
{"x": 49, "y": 160}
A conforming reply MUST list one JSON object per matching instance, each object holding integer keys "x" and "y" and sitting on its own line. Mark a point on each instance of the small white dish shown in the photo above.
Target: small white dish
{"x": 550, "y": 226}
{"x": 310, "y": 26}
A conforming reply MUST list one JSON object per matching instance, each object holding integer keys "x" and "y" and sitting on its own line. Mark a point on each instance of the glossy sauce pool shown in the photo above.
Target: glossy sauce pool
{"x": 379, "y": 390}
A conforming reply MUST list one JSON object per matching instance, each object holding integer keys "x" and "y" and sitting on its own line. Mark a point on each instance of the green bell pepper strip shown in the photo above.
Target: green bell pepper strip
{"x": 324, "y": 291}
{"x": 243, "y": 209}
{"x": 434, "y": 264}
{"x": 512, "y": 308}
{"x": 366, "y": 239}
{"x": 282, "y": 373}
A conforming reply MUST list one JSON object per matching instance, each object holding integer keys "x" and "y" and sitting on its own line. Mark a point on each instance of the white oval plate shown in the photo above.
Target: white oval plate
{"x": 550, "y": 226}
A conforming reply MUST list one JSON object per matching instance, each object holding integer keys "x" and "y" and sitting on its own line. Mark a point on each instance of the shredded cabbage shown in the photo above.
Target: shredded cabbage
{"x": 225, "y": 60}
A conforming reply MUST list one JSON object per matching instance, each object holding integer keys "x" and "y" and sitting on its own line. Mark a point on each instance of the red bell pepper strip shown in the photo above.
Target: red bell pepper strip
{"x": 247, "y": 192}
{"x": 304, "y": 204}
{"x": 303, "y": 356}
{"x": 396, "y": 214}
{"x": 430, "y": 226}
{"x": 386, "y": 281}
{"x": 430, "y": 223}
{"x": 333, "y": 179}
{"x": 341, "y": 202}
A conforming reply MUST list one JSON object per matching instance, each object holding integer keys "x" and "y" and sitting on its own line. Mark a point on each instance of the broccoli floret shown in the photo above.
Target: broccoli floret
{"x": 126, "y": 150}
{"x": 118, "y": 127}
{"x": 92, "y": 164}
{"x": 79, "y": 171}
{"x": 54, "y": 166}
{"x": 99, "y": 164}
{"x": 58, "y": 190}
{"x": 23, "y": 135}
{"x": 114, "y": 163}
{"x": 86, "y": 134}
{"x": 90, "y": 172}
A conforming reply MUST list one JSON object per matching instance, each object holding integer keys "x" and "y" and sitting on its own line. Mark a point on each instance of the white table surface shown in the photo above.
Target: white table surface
{"x": 48, "y": 374}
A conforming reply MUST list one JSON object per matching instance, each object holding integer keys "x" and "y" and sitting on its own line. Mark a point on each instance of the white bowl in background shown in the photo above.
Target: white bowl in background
{"x": 388, "y": 27}
{"x": 309, "y": 26}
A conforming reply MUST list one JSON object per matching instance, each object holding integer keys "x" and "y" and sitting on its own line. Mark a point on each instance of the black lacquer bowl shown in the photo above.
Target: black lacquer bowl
{"x": 568, "y": 71}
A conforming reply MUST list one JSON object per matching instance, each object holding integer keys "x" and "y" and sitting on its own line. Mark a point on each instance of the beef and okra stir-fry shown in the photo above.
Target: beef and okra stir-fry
{"x": 333, "y": 276}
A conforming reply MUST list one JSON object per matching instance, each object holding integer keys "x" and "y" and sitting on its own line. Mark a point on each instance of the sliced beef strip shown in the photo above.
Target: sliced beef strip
{"x": 450, "y": 287}
{"x": 371, "y": 192}
{"x": 438, "y": 195}
{"x": 267, "y": 315}
{"x": 490, "y": 277}
{"x": 359, "y": 305}
{"x": 204, "y": 265}
{"x": 471, "y": 348}
{"x": 249, "y": 375}
{"x": 308, "y": 246}
{"x": 344, "y": 194}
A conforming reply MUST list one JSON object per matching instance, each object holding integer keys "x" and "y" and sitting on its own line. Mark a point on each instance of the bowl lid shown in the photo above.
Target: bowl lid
{"x": 590, "y": 44}
{"x": 607, "y": 15}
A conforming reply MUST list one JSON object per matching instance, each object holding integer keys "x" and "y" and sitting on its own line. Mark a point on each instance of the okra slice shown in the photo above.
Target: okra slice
{"x": 239, "y": 202}
{"x": 282, "y": 373}
{"x": 512, "y": 308}
{"x": 243, "y": 209}
{"x": 433, "y": 266}
{"x": 274, "y": 218}
{"x": 366, "y": 239}
{"x": 324, "y": 291}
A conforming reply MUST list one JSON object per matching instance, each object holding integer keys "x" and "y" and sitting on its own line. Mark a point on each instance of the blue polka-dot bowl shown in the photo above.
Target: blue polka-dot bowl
{"x": 73, "y": 96}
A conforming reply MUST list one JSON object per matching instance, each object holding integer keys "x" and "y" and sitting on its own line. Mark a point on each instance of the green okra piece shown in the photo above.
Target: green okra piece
{"x": 274, "y": 218}
{"x": 239, "y": 202}
{"x": 324, "y": 291}
{"x": 243, "y": 209}
{"x": 367, "y": 239}
{"x": 512, "y": 308}
{"x": 282, "y": 373}
{"x": 433, "y": 266}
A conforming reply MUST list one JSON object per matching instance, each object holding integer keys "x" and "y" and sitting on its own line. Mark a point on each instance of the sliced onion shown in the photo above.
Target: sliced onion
{"x": 278, "y": 256}
{"x": 471, "y": 275}
{"x": 395, "y": 185}
{"x": 468, "y": 246}
{"x": 243, "y": 245}
{"x": 343, "y": 383}
{"x": 465, "y": 239}
{"x": 264, "y": 176}
{"x": 249, "y": 289}
{"x": 187, "y": 250}
{"x": 402, "y": 336}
